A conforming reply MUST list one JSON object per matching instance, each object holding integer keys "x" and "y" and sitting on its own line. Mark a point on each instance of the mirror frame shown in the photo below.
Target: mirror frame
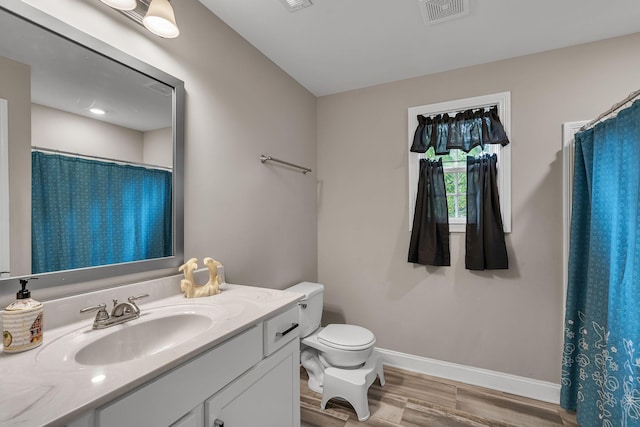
{"x": 59, "y": 28}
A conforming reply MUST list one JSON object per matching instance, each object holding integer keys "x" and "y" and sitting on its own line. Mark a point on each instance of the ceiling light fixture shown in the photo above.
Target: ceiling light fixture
{"x": 161, "y": 20}
{"x": 156, "y": 16}
{"x": 121, "y": 4}
{"x": 98, "y": 111}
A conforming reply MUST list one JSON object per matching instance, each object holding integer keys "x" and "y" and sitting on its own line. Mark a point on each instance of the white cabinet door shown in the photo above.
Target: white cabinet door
{"x": 268, "y": 395}
{"x": 169, "y": 397}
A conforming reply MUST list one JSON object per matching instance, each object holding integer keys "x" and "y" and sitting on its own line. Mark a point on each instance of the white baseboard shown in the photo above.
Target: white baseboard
{"x": 521, "y": 386}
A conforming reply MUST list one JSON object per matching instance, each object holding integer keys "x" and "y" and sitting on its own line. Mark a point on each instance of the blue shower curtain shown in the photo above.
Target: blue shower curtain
{"x": 87, "y": 213}
{"x": 601, "y": 358}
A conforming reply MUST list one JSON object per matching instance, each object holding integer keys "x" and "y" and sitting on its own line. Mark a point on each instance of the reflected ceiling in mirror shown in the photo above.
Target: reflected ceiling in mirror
{"x": 69, "y": 77}
{"x": 71, "y": 74}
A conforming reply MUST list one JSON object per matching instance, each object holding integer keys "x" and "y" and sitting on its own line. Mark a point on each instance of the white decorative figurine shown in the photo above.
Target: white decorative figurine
{"x": 214, "y": 278}
{"x": 188, "y": 284}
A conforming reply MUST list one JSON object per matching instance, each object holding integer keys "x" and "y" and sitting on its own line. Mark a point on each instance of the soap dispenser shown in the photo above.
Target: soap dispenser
{"x": 22, "y": 322}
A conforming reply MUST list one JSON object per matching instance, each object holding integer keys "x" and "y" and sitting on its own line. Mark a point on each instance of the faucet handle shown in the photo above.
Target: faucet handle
{"x": 132, "y": 299}
{"x": 93, "y": 308}
{"x": 102, "y": 312}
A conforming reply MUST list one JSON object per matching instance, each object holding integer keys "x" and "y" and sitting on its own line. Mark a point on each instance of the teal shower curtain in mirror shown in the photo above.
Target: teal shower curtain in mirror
{"x": 87, "y": 213}
{"x": 601, "y": 359}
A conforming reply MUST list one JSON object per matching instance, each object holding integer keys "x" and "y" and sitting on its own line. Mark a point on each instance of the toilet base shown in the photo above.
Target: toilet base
{"x": 352, "y": 385}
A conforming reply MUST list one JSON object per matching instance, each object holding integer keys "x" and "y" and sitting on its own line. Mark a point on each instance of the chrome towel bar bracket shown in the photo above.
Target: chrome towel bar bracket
{"x": 264, "y": 159}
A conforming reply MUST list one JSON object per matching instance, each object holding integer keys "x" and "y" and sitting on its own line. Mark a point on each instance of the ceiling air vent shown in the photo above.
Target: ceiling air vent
{"x": 296, "y": 5}
{"x": 436, "y": 11}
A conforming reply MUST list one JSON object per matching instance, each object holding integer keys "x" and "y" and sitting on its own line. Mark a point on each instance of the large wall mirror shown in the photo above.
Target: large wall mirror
{"x": 91, "y": 156}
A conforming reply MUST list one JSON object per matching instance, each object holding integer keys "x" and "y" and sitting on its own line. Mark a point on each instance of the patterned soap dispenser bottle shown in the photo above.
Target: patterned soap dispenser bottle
{"x": 22, "y": 322}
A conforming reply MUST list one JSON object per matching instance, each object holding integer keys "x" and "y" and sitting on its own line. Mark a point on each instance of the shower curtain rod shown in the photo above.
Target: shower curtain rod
{"x": 88, "y": 156}
{"x": 614, "y": 108}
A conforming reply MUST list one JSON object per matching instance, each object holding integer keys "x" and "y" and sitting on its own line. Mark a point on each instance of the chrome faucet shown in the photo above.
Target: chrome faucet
{"x": 120, "y": 313}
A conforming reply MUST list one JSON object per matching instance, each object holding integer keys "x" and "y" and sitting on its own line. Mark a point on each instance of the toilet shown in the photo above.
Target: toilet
{"x": 340, "y": 359}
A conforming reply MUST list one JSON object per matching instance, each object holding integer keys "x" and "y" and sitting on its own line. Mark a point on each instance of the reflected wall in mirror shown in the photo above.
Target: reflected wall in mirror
{"x": 93, "y": 142}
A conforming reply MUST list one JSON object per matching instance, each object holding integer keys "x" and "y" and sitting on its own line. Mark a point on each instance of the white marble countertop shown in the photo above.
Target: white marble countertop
{"x": 44, "y": 386}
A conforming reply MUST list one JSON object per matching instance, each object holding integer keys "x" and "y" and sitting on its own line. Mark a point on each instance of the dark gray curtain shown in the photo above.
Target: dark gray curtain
{"x": 485, "y": 246}
{"x": 429, "y": 243}
{"x": 463, "y": 131}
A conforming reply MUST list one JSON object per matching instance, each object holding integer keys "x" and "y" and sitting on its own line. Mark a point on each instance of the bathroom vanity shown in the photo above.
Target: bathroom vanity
{"x": 227, "y": 360}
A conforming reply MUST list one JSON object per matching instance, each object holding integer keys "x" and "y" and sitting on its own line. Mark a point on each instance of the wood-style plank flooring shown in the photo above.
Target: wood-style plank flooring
{"x": 412, "y": 399}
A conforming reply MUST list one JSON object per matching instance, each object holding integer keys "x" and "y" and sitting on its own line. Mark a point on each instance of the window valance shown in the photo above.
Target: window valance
{"x": 463, "y": 131}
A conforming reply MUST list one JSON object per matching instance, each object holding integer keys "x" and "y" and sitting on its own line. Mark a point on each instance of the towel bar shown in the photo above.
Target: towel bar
{"x": 264, "y": 159}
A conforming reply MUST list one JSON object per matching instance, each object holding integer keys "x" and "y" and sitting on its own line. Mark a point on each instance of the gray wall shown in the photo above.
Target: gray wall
{"x": 59, "y": 130}
{"x": 158, "y": 147}
{"x": 259, "y": 221}
{"x": 507, "y": 321}
{"x": 15, "y": 87}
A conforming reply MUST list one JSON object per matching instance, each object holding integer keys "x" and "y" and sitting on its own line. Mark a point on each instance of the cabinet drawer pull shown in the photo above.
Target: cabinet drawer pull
{"x": 218, "y": 423}
{"x": 281, "y": 334}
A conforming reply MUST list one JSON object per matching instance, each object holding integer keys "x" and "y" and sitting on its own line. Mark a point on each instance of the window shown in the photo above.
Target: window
{"x": 454, "y": 163}
{"x": 455, "y": 180}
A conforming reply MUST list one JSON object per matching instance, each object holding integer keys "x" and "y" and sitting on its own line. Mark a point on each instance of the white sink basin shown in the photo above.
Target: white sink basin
{"x": 146, "y": 338}
{"x": 156, "y": 331}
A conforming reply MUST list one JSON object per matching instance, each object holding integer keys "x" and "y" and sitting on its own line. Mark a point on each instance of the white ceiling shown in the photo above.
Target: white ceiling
{"x": 339, "y": 45}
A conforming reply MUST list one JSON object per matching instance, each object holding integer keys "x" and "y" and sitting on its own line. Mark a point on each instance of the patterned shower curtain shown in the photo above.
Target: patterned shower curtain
{"x": 87, "y": 213}
{"x": 601, "y": 359}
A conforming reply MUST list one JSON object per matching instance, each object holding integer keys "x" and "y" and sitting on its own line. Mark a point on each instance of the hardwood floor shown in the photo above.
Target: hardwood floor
{"x": 411, "y": 399}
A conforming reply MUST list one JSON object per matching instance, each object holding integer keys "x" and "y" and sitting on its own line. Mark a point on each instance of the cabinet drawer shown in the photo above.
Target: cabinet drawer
{"x": 174, "y": 394}
{"x": 281, "y": 329}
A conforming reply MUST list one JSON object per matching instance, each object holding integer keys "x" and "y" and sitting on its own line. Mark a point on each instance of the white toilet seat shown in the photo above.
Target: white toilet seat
{"x": 346, "y": 337}
{"x": 335, "y": 351}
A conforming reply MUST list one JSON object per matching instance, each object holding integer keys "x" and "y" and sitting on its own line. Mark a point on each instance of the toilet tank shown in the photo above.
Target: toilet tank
{"x": 310, "y": 307}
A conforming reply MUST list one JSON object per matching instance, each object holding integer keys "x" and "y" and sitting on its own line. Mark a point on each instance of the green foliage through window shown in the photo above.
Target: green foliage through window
{"x": 455, "y": 178}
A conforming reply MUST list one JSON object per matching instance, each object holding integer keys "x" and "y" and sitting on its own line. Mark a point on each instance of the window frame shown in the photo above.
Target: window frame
{"x": 503, "y": 102}
{"x": 459, "y": 222}
{"x": 455, "y": 170}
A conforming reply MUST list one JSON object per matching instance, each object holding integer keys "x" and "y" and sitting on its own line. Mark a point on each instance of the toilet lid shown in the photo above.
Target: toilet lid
{"x": 346, "y": 337}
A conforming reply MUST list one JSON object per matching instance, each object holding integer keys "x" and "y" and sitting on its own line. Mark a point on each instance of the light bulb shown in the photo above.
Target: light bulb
{"x": 160, "y": 19}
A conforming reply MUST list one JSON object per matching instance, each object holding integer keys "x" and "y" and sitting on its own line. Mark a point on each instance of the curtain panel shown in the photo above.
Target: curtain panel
{"x": 601, "y": 358}
{"x": 87, "y": 213}
{"x": 463, "y": 131}
{"x": 429, "y": 243}
{"x": 485, "y": 244}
